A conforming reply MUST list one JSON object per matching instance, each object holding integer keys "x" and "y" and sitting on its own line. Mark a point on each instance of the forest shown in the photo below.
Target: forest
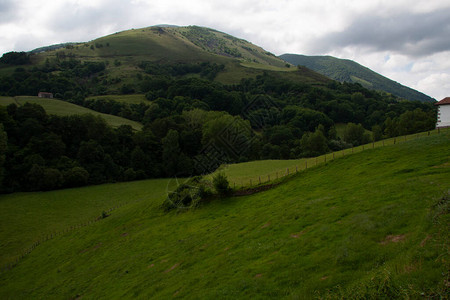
{"x": 192, "y": 124}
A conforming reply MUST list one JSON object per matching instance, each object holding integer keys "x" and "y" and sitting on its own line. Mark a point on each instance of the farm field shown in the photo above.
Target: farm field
{"x": 63, "y": 108}
{"x": 365, "y": 225}
{"x": 264, "y": 171}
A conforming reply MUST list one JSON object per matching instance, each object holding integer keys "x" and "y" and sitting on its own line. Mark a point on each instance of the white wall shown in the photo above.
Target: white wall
{"x": 443, "y": 116}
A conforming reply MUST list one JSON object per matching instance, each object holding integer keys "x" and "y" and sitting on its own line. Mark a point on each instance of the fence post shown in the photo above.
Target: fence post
{"x": 259, "y": 179}
{"x": 394, "y": 140}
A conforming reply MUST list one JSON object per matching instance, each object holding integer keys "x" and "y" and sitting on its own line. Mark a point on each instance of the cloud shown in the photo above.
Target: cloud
{"x": 7, "y": 10}
{"x": 413, "y": 34}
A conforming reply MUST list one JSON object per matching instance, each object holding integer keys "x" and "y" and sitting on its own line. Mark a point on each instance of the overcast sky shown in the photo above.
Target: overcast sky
{"x": 405, "y": 40}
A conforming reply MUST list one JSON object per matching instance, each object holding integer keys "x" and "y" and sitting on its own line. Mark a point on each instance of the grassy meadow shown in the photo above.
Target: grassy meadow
{"x": 369, "y": 225}
{"x": 265, "y": 171}
{"x": 63, "y": 108}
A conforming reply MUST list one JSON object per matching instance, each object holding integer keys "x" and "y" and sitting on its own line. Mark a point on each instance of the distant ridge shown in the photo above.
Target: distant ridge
{"x": 345, "y": 70}
{"x": 53, "y": 47}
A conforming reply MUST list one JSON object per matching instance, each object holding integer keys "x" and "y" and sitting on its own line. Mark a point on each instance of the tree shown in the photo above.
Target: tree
{"x": 43, "y": 179}
{"x": 175, "y": 162}
{"x": 415, "y": 121}
{"x": 15, "y": 58}
{"x": 314, "y": 144}
{"x": 355, "y": 134}
{"x": 377, "y": 133}
{"x": 3, "y": 149}
{"x": 77, "y": 176}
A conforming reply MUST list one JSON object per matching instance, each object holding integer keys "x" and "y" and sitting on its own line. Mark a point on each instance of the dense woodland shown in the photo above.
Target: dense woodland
{"x": 192, "y": 124}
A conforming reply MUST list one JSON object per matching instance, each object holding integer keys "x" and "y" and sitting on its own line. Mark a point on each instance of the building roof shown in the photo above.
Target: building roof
{"x": 445, "y": 101}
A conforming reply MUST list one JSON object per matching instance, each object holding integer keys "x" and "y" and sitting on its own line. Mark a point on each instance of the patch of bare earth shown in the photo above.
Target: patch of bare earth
{"x": 93, "y": 248}
{"x": 266, "y": 225}
{"x": 298, "y": 234}
{"x": 393, "y": 239}
{"x": 425, "y": 240}
{"x": 172, "y": 268}
{"x": 444, "y": 165}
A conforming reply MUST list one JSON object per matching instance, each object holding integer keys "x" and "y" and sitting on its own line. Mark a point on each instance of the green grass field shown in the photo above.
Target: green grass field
{"x": 265, "y": 171}
{"x": 63, "y": 108}
{"x": 369, "y": 225}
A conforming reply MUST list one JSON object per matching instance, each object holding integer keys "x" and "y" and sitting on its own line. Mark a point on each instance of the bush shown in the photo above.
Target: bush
{"x": 221, "y": 184}
{"x": 189, "y": 194}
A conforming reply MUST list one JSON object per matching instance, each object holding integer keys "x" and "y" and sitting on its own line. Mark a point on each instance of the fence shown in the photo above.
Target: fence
{"x": 300, "y": 165}
{"x": 259, "y": 180}
{"x": 51, "y": 235}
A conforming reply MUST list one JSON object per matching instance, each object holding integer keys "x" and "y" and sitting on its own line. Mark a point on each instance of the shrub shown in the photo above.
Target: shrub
{"x": 221, "y": 184}
{"x": 189, "y": 194}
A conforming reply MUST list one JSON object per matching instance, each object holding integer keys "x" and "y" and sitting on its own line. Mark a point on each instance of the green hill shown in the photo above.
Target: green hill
{"x": 125, "y": 50}
{"x": 63, "y": 108}
{"x": 350, "y": 71}
{"x": 364, "y": 226}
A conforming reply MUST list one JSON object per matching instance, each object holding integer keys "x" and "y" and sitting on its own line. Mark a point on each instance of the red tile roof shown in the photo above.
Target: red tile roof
{"x": 445, "y": 101}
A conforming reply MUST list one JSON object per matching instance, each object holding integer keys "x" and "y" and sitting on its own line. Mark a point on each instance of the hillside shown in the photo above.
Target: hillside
{"x": 368, "y": 225}
{"x": 169, "y": 45}
{"x": 63, "y": 108}
{"x": 350, "y": 71}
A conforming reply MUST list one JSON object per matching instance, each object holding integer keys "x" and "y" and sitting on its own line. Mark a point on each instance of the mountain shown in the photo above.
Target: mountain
{"x": 125, "y": 57}
{"x": 345, "y": 70}
{"x": 125, "y": 51}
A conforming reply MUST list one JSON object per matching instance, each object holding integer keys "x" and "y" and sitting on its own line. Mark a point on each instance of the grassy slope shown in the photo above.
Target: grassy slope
{"x": 350, "y": 71}
{"x": 250, "y": 173}
{"x": 329, "y": 226}
{"x": 169, "y": 45}
{"x": 63, "y": 108}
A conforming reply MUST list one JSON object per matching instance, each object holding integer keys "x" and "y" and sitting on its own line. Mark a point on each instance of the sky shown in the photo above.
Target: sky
{"x": 405, "y": 40}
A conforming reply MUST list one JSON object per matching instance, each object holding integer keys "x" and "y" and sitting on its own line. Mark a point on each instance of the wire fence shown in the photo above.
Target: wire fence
{"x": 260, "y": 180}
{"x": 13, "y": 262}
{"x": 306, "y": 163}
